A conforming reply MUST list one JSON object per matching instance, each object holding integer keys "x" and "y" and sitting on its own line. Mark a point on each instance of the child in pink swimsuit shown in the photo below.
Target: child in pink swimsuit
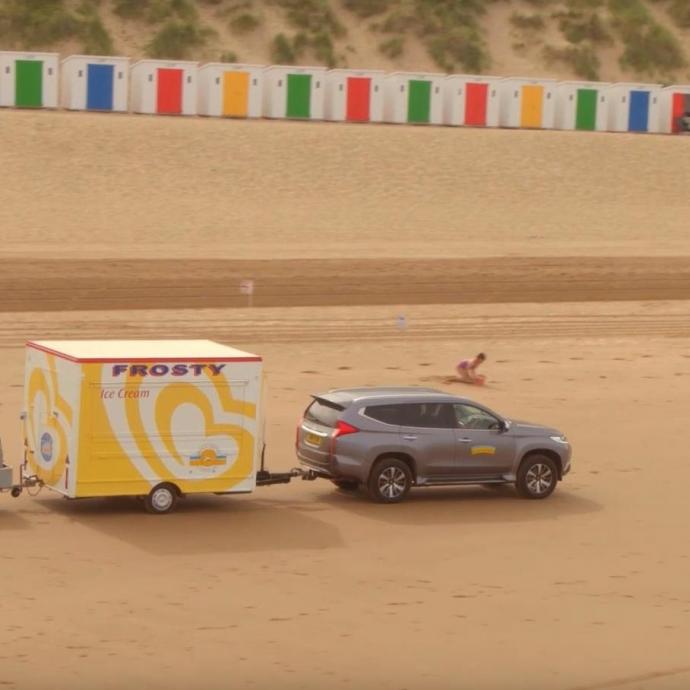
{"x": 468, "y": 367}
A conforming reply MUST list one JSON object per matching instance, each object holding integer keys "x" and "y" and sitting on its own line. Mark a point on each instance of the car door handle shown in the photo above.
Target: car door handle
{"x": 465, "y": 440}
{"x": 410, "y": 437}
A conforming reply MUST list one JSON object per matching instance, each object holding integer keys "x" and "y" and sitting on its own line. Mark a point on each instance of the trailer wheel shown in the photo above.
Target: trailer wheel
{"x": 161, "y": 499}
{"x": 16, "y": 491}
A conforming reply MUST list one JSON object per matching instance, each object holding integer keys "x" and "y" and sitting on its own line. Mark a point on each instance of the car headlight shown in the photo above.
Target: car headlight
{"x": 559, "y": 439}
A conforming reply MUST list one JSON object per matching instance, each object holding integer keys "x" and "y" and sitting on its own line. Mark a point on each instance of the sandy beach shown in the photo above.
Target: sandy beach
{"x": 565, "y": 257}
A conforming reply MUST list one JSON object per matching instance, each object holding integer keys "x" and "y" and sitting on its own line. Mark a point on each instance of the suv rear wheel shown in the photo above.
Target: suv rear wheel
{"x": 537, "y": 477}
{"x": 389, "y": 481}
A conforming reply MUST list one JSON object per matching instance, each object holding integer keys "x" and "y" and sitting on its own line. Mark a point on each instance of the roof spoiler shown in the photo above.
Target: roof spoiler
{"x": 334, "y": 404}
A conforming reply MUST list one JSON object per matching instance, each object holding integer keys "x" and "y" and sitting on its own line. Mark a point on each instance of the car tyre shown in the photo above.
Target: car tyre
{"x": 161, "y": 499}
{"x": 346, "y": 484}
{"x": 390, "y": 481}
{"x": 537, "y": 477}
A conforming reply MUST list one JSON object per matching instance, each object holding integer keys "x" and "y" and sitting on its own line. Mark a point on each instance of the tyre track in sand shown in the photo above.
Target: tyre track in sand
{"x": 105, "y": 284}
{"x": 280, "y": 326}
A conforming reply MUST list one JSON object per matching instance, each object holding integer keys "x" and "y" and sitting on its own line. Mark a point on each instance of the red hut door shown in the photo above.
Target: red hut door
{"x": 169, "y": 96}
{"x": 358, "y": 98}
{"x": 681, "y": 104}
{"x": 476, "y": 98}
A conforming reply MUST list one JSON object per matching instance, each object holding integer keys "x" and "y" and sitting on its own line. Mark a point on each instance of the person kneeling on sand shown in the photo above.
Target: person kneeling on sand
{"x": 467, "y": 369}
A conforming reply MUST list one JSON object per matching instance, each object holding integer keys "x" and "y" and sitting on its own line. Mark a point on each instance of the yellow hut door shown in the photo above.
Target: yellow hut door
{"x": 235, "y": 94}
{"x": 532, "y": 105}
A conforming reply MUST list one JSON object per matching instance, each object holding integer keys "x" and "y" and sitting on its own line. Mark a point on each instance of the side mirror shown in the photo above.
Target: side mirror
{"x": 504, "y": 425}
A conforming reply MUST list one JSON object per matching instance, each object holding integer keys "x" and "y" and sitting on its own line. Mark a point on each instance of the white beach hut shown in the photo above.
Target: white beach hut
{"x": 414, "y": 98}
{"x": 29, "y": 80}
{"x": 354, "y": 95}
{"x": 164, "y": 87}
{"x": 230, "y": 90}
{"x": 674, "y": 102}
{"x": 582, "y": 105}
{"x": 528, "y": 103}
{"x": 634, "y": 107}
{"x": 94, "y": 83}
{"x": 471, "y": 100}
{"x": 294, "y": 92}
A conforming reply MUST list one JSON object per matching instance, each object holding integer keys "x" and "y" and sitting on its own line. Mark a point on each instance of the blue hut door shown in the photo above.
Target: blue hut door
{"x": 638, "y": 120}
{"x": 99, "y": 87}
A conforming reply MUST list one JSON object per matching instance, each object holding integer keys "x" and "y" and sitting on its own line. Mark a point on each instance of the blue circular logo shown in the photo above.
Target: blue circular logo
{"x": 47, "y": 447}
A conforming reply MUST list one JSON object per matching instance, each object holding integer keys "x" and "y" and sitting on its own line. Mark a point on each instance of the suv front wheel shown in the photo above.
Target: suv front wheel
{"x": 390, "y": 480}
{"x": 537, "y": 477}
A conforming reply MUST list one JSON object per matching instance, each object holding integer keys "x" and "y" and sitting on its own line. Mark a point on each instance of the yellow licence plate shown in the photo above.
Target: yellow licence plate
{"x": 313, "y": 439}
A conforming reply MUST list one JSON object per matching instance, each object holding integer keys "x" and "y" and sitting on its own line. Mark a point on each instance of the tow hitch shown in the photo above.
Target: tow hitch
{"x": 265, "y": 478}
{"x": 6, "y": 479}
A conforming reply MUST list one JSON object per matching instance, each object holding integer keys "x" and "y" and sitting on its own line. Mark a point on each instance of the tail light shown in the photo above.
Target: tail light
{"x": 299, "y": 426}
{"x": 341, "y": 429}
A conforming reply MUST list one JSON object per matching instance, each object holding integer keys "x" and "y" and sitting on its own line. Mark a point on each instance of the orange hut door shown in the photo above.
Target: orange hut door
{"x": 235, "y": 94}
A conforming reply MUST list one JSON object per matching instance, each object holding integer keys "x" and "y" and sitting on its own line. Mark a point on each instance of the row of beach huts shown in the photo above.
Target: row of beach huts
{"x": 79, "y": 82}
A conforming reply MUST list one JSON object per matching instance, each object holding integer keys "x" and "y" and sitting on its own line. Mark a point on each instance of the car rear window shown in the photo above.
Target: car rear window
{"x": 388, "y": 414}
{"x": 323, "y": 412}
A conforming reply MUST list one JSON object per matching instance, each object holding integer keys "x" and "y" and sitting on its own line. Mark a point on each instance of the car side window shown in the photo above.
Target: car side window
{"x": 388, "y": 414}
{"x": 471, "y": 417}
{"x": 428, "y": 415}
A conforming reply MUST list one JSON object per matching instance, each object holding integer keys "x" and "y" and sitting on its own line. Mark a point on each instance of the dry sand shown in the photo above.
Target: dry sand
{"x": 300, "y": 586}
{"x": 150, "y": 187}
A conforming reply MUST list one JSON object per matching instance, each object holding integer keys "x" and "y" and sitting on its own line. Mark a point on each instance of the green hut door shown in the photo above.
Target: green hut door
{"x": 586, "y": 114}
{"x": 298, "y": 95}
{"x": 28, "y": 83}
{"x": 418, "y": 101}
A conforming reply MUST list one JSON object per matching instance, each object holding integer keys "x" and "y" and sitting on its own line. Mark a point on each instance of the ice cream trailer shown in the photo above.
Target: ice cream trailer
{"x": 156, "y": 419}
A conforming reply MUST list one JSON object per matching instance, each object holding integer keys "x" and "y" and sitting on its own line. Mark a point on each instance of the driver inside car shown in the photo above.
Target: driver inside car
{"x": 473, "y": 418}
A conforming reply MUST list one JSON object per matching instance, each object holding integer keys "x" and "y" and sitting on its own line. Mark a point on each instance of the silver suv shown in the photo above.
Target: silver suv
{"x": 391, "y": 439}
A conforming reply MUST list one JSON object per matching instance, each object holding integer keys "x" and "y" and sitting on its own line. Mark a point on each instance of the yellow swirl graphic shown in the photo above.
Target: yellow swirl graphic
{"x": 168, "y": 399}
{"x": 38, "y": 384}
{"x": 60, "y": 403}
{"x": 228, "y": 403}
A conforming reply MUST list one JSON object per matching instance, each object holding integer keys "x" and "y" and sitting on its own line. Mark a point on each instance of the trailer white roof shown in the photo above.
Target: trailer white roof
{"x": 142, "y": 350}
